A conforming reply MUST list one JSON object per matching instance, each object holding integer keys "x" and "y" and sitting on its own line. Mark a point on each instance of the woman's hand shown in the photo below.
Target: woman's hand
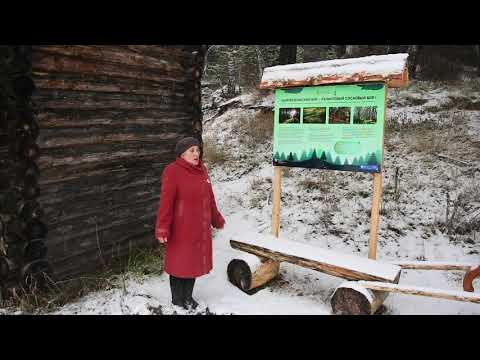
{"x": 162, "y": 240}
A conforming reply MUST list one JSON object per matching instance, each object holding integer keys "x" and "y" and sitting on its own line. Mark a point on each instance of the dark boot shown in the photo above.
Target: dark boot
{"x": 189, "y": 300}
{"x": 178, "y": 291}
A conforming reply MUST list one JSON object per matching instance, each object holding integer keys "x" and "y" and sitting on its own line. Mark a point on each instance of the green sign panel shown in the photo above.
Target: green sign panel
{"x": 336, "y": 127}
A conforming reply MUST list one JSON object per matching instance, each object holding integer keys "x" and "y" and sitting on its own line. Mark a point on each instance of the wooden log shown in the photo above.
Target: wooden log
{"x": 250, "y": 278}
{"x": 422, "y": 291}
{"x": 354, "y": 269}
{"x": 53, "y": 63}
{"x": 107, "y": 55}
{"x": 352, "y": 299}
{"x": 109, "y": 118}
{"x": 90, "y": 101}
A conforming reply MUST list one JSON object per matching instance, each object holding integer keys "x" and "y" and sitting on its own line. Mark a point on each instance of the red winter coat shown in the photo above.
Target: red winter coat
{"x": 186, "y": 212}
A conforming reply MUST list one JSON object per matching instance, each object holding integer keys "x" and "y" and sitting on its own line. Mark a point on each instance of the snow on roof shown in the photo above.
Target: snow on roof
{"x": 389, "y": 68}
{"x": 355, "y": 263}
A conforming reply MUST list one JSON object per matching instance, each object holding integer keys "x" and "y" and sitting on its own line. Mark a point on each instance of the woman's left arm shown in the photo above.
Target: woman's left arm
{"x": 217, "y": 219}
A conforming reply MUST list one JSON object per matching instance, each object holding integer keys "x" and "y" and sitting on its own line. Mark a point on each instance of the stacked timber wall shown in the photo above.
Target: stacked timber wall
{"x": 109, "y": 119}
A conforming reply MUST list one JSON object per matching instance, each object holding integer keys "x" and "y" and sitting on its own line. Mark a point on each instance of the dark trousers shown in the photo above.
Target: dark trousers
{"x": 182, "y": 290}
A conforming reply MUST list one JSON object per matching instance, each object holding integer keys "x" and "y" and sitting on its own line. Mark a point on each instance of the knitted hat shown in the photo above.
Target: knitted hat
{"x": 184, "y": 144}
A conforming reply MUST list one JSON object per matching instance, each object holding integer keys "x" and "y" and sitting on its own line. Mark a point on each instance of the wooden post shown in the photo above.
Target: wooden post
{"x": 377, "y": 188}
{"x": 377, "y": 194}
{"x": 277, "y": 177}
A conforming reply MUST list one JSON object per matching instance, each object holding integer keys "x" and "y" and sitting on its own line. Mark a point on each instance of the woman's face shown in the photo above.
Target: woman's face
{"x": 191, "y": 155}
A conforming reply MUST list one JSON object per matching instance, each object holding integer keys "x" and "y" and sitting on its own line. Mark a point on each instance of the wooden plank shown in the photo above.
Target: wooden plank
{"x": 422, "y": 291}
{"x": 333, "y": 263}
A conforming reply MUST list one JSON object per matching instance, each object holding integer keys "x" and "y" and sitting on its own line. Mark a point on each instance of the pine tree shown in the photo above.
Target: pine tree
{"x": 345, "y": 163}
{"x": 338, "y": 161}
{"x": 290, "y": 157}
{"x": 360, "y": 161}
{"x": 314, "y": 155}
{"x": 355, "y": 161}
{"x": 295, "y": 158}
{"x": 276, "y": 156}
{"x": 282, "y": 157}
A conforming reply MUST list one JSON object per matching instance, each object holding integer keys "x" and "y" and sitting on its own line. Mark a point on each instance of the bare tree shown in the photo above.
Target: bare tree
{"x": 352, "y": 51}
{"x": 260, "y": 61}
{"x": 288, "y": 54}
{"x": 414, "y": 53}
{"x": 477, "y": 52}
{"x": 232, "y": 78}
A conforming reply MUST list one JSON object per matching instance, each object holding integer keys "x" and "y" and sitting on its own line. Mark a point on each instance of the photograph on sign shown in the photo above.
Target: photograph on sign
{"x": 336, "y": 127}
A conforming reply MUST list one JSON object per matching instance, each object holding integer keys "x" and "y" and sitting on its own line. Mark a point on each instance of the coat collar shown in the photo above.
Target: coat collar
{"x": 199, "y": 169}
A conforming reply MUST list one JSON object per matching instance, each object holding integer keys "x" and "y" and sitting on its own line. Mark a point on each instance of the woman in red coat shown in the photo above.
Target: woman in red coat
{"x": 186, "y": 212}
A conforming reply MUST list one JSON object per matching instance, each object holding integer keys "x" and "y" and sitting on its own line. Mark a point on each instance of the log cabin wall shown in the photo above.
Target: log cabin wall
{"x": 109, "y": 119}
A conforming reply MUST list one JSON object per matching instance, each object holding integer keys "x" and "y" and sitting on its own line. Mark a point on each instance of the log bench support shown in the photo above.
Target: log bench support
{"x": 365, "y": 297}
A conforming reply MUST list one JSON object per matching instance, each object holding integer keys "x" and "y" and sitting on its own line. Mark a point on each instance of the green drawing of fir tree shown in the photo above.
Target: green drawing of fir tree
{"x": 323, "y": 158}
{"x": 329, "y": 158}
{"x": 345, "y": 163}
{"x": 338, "y": 161}
{"x": 372, "y": 160}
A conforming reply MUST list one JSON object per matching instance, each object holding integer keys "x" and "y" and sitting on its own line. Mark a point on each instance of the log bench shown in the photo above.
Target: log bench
{"x": 370, "y": 281}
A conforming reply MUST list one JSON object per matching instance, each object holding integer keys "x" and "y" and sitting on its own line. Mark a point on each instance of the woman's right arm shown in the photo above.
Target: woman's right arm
{"x": 166, "y": 204}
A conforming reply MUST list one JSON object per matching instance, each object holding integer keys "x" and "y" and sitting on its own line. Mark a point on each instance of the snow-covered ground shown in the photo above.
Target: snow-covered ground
{"x": 330, "y": 210}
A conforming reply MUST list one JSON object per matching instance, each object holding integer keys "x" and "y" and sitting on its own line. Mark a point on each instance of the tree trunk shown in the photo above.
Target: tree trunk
{"x": 477, "y": 52}
{"x": 414, "y": 53}
{"x": 260, "y": 61}
{"x": 352, "y": 51}
{"x": 288, "y": 54}
{"x": 340, "y": 51}
{"x": 231, "y": 85}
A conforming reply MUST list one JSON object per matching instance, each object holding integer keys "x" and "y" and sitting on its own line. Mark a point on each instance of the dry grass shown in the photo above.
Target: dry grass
{"x": 258, "y": 128}
{"x": 324, "y": 182}
{"x": 32, "y": 301}
{"x": 213, "y": 153}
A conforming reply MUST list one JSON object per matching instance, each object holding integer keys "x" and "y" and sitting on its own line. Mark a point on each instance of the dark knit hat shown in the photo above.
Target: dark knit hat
{"x": 184, "y": 144}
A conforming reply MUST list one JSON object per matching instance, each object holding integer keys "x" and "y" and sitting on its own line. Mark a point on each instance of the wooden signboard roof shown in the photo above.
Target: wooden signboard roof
{"x": 391, "y": 69}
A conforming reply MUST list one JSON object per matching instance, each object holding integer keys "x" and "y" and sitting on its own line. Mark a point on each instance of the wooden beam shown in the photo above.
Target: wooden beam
{"x": 325, "y": 267}
{"x": 421, "y": 291}
{"x": 423, "y": 265}
{"x": 341, "y": 71}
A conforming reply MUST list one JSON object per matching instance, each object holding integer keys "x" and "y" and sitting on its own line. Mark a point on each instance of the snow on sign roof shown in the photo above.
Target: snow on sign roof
{"x": 391, "y": 69}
